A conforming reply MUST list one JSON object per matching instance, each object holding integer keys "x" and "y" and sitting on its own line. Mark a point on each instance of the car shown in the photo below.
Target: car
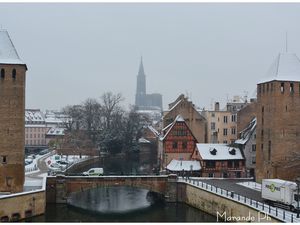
{"x": 93, "y": 172}
{"x": 43, "y": 152}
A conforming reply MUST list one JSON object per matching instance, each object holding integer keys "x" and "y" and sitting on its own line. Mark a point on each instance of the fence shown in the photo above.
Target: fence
{"x": 275, "y": 212}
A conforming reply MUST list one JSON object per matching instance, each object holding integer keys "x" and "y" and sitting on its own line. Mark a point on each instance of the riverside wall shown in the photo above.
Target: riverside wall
{"x": 16, "y": 207}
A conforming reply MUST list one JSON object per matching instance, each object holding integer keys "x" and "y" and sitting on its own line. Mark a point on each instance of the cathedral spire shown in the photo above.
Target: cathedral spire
{"x": 141, "y": 69}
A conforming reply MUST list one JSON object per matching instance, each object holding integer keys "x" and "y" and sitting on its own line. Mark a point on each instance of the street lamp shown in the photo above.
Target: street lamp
{"x": 298, "y": 196}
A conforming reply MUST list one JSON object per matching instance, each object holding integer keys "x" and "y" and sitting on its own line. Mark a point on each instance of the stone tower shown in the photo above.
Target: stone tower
{"x": 278, "y": 120}
{"x": 12, "y": 111}
{"x": 140, "y": 97}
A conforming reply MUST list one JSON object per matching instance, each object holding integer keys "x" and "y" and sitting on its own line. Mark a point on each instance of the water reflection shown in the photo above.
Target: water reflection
{"x": 111, "y": 199}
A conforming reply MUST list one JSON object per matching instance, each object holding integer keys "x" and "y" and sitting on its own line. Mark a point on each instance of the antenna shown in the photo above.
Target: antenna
{"x": 286, "y": 41}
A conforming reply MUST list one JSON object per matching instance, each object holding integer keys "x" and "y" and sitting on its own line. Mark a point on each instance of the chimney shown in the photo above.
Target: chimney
{"x": 217, "y": 106}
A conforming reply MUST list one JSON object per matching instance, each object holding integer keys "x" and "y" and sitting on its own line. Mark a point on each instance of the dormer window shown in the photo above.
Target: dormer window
{"x": 213, "y": 151}
{"x": 232, "y": 151}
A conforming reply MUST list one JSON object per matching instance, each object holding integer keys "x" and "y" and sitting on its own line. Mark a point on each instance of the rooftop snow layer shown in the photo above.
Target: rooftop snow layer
{"x": 8, "y": 53}
{"x": 286, "y": 67}
{"x": 218, "y": 152}
{"x": 179, "y": 165}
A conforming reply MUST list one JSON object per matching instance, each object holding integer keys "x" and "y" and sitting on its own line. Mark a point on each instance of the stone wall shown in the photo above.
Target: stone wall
{"x": 22, "y": 205}
{"x": 218, "y": 206}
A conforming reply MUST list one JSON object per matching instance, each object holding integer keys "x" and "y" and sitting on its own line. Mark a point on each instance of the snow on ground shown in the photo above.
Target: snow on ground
{"x": 252, "y": 185}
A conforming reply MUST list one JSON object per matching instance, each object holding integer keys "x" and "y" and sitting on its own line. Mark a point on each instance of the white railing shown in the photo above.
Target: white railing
{"x": 278, "y": 213}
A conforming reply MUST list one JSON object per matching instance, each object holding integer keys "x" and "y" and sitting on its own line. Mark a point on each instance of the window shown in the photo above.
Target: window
{"x": 263, "y": 87}
{"x": 225, "y": 131}
{"x": 2, "y": 74}
{"x": 253, "y": 148}
{"x": 4, "y": 159}
{"x": 296, "y": 197}
{"x": 262, "y": 134}
{"x": 253, "y": 160}
{"x": 262, "y": 147}
{"x": 212, "y": 125}
{"x": 211, "y": 175}
{"x": 267, "y": 87}
{"x": 233, "y": 131}
{"x": 174, "y": 144}
{"x": 282, "y": 87}
{"x": 291, "y": 88}
{"x": 184, "y": 145}
{"x": 14, "y": 74}
{"x": 225, "y": 119}
{"x": 271, "y": 87}
{"x": 210, "y": 164}
{"x": 233, "y": 118}
{"x": 213, "y": 115}
{"x": 225, "y": 142}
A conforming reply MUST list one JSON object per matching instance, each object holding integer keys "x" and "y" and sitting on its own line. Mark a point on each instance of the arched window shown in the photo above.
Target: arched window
{"x": 14, "y": 74}
{"x": 2, "y": 74}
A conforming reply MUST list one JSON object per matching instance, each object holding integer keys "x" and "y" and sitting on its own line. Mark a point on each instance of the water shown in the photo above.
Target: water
{"x": 120, "y": 204}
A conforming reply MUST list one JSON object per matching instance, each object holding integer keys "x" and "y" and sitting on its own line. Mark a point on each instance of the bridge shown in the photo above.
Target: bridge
{"x": 59, "y": 188}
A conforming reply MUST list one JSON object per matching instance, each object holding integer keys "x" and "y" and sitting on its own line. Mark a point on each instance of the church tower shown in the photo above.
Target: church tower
{"x": 278, "y": 120}
{"x": 12, "y": 111}
{"x": 140, "y": 97}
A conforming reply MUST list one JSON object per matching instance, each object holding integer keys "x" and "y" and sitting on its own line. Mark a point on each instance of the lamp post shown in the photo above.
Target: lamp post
{"x": 298, "y": 196}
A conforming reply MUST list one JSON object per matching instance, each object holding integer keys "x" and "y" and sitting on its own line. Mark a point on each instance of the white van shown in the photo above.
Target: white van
{"x": 94, "y": 172}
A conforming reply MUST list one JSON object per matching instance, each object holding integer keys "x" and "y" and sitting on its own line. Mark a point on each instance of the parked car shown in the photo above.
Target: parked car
{"x": 93, "y": 172}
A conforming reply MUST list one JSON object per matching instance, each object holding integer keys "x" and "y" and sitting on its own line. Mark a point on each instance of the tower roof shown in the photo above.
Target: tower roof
{"x": 8, "y": 53}
{"x": 286, "y": 67}
{"x": 141, "y": 69}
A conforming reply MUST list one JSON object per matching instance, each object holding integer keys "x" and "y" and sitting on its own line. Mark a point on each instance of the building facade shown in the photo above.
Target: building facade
{"x": 144, "y": 101}
{"x": 177, "y": 142}
{"x": 220, "y": 160}
{"x": 12, "y": 110}
{"x": 247, "y": 144}
{"x": 278, "y": 120}
{"x": 195, "y": 121}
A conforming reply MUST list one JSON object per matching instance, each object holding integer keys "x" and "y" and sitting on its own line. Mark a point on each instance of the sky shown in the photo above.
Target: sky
{"x": 208, "y": 51}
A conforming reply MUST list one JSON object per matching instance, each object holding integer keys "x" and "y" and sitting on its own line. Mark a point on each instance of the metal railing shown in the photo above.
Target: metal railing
{"x": 278, "y": 213}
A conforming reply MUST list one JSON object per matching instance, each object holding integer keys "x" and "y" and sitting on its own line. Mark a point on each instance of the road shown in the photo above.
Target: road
{"x": 231, "y": 185}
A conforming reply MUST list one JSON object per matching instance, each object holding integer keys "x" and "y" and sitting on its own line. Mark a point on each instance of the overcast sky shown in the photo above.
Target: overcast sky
{"x": 208, "y": 51}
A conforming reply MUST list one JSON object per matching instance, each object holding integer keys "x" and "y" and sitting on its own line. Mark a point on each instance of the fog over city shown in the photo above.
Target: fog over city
{"x": 209, "y": 52}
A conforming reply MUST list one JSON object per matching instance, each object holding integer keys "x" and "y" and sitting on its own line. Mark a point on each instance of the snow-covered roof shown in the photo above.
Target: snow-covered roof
{"x": 169, "y": 127}
{"x": 57, "y": 131}
{"x": 154, "y": 131}
{"x": 286, "y": 67}
{"x": 8, "y": 53}
{"x": 218, "y": 152}
{"x": 34, "y": 115}
{"x": 247, "y": 132}
{"x": 143, "y": 140}
{"x": 179, "y": 165}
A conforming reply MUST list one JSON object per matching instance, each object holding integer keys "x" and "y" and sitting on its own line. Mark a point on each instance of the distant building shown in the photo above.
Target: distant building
{"x": 247, "y": 143}
{"x": 246, "y": 114}
{"x": 220, "y": 160}
{"x": 35, "y": 129}
{"x": 144, "y": 101}
{"x": 278, "y": 120}
{"x": 12, "y": 110}
{"x": 195, "y": 121}
{"x": 40, "y": 128}
{"x": 222, "y": 124}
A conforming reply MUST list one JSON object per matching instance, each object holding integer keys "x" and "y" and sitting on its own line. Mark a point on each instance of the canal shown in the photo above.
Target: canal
{"x": 120, "y": 204}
